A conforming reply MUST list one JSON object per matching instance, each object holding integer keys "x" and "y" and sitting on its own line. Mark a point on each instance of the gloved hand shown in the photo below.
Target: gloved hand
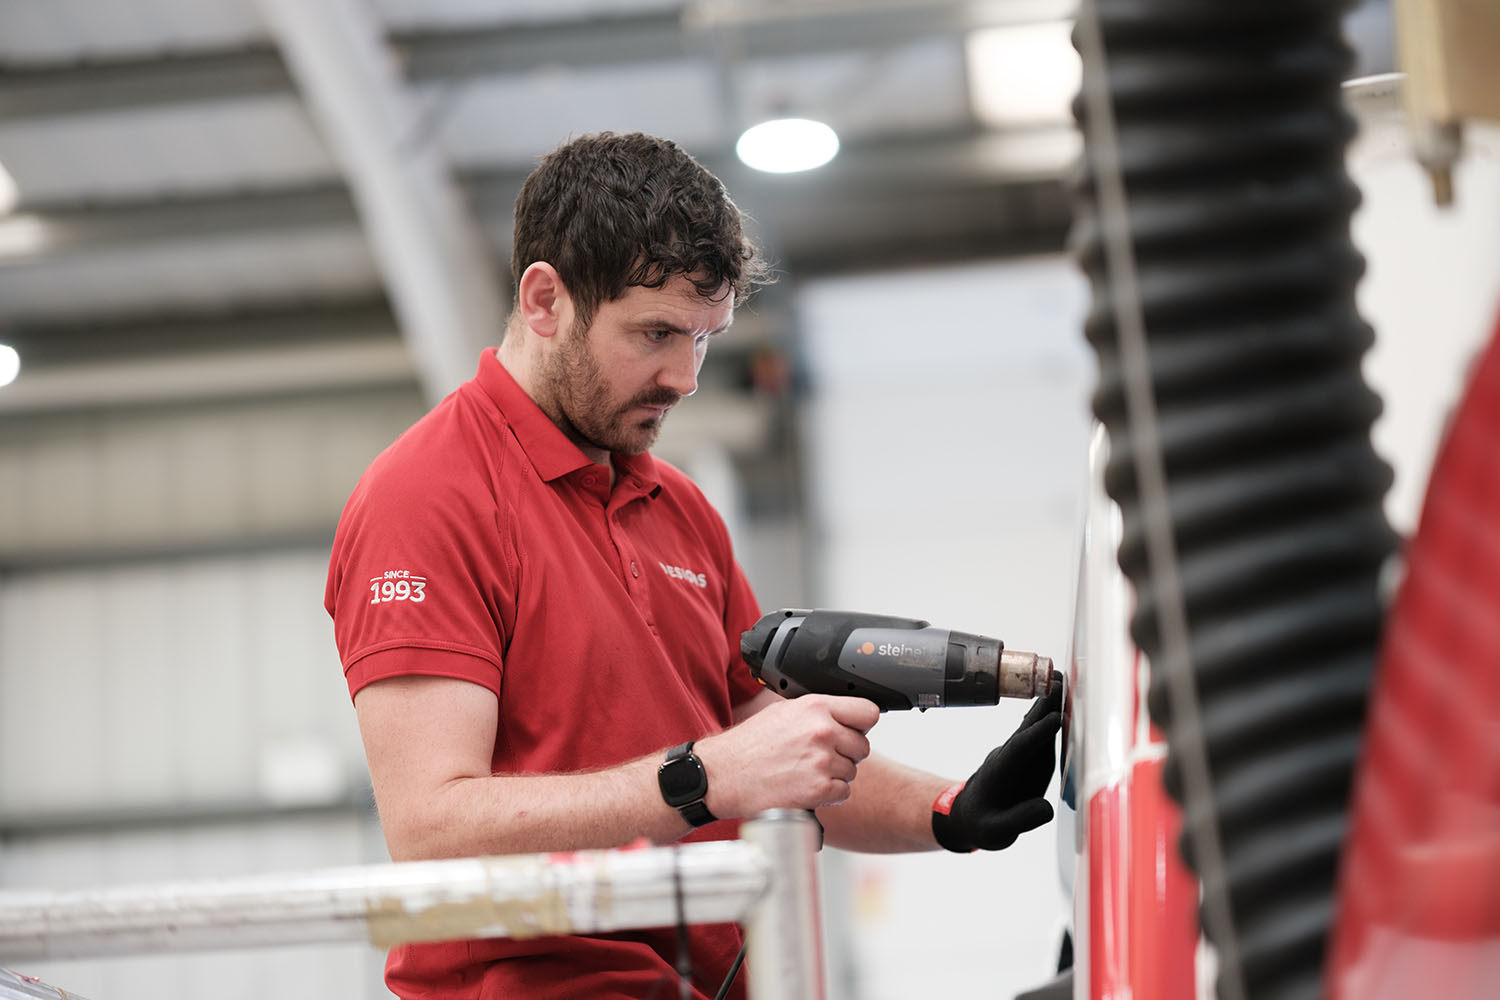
{"x": 1004, "y": 797}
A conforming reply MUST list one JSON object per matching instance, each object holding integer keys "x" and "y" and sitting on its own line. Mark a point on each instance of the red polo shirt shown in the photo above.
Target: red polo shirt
{"x": 484, "y": 545}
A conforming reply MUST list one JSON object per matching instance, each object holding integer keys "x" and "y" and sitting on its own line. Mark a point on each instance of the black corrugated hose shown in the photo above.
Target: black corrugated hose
{"x": 1228, "y": 132}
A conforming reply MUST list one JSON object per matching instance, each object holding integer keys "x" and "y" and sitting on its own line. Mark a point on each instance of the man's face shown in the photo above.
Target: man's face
{"x": 610, "y": 386}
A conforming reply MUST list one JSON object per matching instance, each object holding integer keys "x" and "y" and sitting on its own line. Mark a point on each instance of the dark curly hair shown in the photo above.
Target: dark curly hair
{"x": 611, "y": 211}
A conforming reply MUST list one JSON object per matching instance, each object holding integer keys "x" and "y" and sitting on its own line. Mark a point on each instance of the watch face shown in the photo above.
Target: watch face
{"x": 682, "y": 780}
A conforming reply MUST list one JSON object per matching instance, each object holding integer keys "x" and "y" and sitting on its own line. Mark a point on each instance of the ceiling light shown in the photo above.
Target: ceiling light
{"x": 10, "y": 195}
{"x": 787, "y": 145}
{"x": 10, "y": 364}
{"x": 21, "y": 235}
{"x": 1024, "y": 74}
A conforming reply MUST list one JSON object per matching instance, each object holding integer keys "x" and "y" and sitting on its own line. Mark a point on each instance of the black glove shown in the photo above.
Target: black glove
{"x": 1004, "y": 797}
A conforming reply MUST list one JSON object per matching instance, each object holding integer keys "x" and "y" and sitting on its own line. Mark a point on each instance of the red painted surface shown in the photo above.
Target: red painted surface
{"x": 1138, "y": 903}
{"x": 1109, "y": 878}
{"x": 1163, "y": 893}
{"x": 1143, "y": 922}
{"x": 1419, "y": 898}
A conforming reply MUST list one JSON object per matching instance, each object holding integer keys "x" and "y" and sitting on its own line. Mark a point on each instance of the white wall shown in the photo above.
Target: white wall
{"x": 152, "y": 686}
{"x": 946, "y": 441}
{"x": 111, "y": 481}
{"x": 1432, "y": 291}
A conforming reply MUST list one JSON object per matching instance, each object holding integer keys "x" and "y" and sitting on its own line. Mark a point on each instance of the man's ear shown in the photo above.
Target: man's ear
{"x": 543, "y": 300}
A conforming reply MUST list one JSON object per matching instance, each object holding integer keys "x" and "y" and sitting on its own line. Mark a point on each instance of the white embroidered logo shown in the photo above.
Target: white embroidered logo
{"x": 398, "y": 585}
{"x": 684, "y": 574}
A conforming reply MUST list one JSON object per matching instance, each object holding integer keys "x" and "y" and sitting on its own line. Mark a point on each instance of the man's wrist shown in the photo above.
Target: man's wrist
{"x": 944, "y": 802}
{"x": 683, "y": 782}
{"x": 944, "y": 829}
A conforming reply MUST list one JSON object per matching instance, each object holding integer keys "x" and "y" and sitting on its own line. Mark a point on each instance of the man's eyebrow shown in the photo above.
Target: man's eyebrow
{"x": 671, "y": 327}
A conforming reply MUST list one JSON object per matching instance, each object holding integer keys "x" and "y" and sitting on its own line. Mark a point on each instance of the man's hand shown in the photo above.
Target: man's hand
{"x": 1004, "y": 797}
{"x": 796, "y": 754}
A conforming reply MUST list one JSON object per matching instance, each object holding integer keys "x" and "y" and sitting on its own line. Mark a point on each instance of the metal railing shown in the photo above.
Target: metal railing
{"x": 767, "y": 879}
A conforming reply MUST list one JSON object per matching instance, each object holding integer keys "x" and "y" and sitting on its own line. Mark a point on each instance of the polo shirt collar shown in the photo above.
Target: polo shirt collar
{"x": 551, "y": 453}
{"x": 639, "y": 472}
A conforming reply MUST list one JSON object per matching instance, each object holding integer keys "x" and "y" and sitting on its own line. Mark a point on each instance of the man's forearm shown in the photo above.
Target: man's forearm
{"x": 889, "y": 809}
{"x": 429, "y": 741}
{"x": 520, "y": 814}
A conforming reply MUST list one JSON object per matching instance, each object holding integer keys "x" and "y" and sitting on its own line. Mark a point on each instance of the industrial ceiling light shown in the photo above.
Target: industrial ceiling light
{"x": 9, "y": 193}
{"x": 787, "y": 145}
{"x": 10, "y": 364}
{"x": 1023, "y": 74}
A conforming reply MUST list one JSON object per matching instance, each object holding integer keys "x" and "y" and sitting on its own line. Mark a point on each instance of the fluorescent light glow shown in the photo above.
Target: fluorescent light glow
{"x": 1025, "y": 74}
{"x": 10, "y": 195}
{"x": 21, "y": 235}
{"x": 787, "y": 145}
{"x": 10, "y": 364}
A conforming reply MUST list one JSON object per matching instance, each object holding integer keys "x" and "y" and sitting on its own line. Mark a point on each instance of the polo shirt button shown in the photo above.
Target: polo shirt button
{"x": 634, "y": 569}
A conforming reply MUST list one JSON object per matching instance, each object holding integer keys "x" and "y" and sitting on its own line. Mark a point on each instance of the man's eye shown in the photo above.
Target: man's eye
{"x": 658, "y": 336}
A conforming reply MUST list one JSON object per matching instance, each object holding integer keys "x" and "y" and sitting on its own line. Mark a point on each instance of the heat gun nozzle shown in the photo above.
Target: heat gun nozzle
{"x": 1023, "y": 674}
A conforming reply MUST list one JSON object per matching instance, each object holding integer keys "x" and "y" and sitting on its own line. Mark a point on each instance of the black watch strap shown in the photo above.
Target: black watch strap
{"x": 696, "y": 813}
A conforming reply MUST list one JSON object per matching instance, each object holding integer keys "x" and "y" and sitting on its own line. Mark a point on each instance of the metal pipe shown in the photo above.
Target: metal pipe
{"x": 518, "y": 897}
{"x": 14, "y": 986}
{"x": 785, "y": 937}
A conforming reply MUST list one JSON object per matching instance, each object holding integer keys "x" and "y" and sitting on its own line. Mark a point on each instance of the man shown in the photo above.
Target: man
{"x": 532, "y": 612}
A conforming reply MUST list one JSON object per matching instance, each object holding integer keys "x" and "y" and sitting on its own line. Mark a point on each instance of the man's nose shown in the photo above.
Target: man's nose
{"x": 681, "y": 372}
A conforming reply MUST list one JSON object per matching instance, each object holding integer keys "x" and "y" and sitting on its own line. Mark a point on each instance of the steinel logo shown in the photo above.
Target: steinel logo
{"x": 888, "y": 649}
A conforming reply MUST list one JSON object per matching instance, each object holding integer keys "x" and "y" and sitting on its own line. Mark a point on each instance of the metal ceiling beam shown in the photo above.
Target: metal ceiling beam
{"x": 437, "y": 56}
{"x": 127, "y": 84}
{"x": 878, "y": 180}
{"x": 702, "y": 31}
{"x": 767, "y": 30}
{"x": 990, "y": 186}
{"x": 46, "y": 343}
{"x": 45, "y": 231}
{"x": 241, "y": 372}
{"x": 259, "y": 70}
{"x": 431, "y": 252}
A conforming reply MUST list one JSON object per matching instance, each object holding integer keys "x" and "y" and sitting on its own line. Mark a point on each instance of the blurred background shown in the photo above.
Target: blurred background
{"x": 245, "y": 243}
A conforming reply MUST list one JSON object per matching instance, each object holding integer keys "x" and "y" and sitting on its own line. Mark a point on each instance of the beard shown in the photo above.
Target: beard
{"x": 587, "y": 411}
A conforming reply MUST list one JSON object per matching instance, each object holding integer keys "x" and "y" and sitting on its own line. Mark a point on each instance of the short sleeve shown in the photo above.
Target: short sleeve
{"x": 411, "y": 661}
{"x": 420, "y": 563}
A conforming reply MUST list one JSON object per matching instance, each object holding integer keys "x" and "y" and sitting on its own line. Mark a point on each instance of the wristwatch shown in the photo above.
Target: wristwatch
{"x": 684, "y": 783}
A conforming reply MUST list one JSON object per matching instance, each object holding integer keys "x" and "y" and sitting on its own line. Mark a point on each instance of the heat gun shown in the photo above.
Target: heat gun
{"x": 898, "y": 663}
